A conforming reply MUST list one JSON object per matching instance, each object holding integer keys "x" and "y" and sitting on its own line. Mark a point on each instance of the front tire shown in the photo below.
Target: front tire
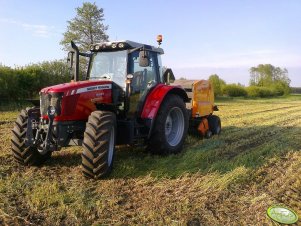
{"x": 24, "y": 154}
{"x": 99, "y": 144}
{"x": 170, "y": 128}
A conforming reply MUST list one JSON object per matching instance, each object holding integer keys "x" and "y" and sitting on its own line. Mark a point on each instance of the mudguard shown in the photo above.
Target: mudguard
{"x": 156, "y": 97}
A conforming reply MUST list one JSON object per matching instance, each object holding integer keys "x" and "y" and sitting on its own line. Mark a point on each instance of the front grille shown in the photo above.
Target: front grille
{"x": 50, "y": 99}
{"x": 56, "y": 101}
{"x": 44, "y": 103}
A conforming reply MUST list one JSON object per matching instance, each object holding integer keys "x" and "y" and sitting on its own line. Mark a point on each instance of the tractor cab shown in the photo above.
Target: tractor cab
{"x": 126, "y": 60}
{"x": 133, "y": 68}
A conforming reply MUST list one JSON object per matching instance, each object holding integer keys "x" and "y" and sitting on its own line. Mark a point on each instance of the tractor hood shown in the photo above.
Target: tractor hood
{"x": 75, "y": 100}
{"x": 78, "y": 87}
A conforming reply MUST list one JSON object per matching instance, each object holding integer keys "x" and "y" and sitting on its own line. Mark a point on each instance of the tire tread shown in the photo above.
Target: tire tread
{"x": 96, "y": 144}
{"x": 157, "y": 143}
{"x": 22, "y": 153}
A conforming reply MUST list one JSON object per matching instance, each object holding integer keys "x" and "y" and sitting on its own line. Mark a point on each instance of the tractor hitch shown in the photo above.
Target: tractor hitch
{"x": 39, "y": 133}
{"x": 46, "y": 146}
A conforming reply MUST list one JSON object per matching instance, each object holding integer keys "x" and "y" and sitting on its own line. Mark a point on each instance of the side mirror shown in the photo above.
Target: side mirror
{"x": 168, "y": 76}
{"x": 143, "y": 59}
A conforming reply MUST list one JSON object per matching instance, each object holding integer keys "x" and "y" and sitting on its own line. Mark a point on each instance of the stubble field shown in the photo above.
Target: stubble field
{"x": 227, "y": 180}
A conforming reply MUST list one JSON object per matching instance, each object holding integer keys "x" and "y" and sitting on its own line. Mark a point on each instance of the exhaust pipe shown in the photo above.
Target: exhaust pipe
{"x": 76, "y": 69}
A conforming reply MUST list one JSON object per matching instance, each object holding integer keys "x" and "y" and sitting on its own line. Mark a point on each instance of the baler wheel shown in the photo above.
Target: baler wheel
{"x": 170, "y": 128}
{"x": 99, "y": 144}
{"x": 214, "y": 124}
{"x": 25, "y": 155}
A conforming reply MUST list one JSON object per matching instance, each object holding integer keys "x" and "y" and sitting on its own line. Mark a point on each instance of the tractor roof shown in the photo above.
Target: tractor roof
{"x": 122, "y": 45}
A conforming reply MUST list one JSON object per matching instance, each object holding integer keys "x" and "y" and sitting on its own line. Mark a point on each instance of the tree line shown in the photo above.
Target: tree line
{"x": 26, "y": 82}
{"x": 266, "y": 80}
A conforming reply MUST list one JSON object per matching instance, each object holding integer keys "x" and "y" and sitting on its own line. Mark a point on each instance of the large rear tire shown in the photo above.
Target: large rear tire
{"x": 170, "y": 128}
{"x": 99, "y": 144}
{"x": 25, "y": 155}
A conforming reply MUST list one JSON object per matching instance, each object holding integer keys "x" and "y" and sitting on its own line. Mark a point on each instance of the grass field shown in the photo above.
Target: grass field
{"x": 227, "y": 180}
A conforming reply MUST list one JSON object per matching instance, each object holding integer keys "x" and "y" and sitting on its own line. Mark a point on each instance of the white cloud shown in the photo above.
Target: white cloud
{"x": 38, "y": 30}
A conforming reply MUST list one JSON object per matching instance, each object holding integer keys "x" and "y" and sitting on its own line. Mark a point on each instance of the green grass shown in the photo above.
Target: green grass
{"x": 226, "y": 180}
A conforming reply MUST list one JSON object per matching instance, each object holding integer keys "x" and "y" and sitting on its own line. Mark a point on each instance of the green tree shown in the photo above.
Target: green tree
{"x": 8, "y": 83}
{"x": 217, "y": 83}
{"x": 234, "y": 90}
{"x": 86, "y": 27}
{"x": 267, "y": 75}
{"x": 26, "y": 82}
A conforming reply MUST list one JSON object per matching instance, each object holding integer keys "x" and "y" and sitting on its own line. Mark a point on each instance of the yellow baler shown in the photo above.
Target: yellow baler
{"x": 202, "y": 99}
{"x": 201, "y": 107}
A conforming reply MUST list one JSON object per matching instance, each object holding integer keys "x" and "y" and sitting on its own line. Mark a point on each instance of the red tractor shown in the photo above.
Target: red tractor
{"x": 126, "y": 98}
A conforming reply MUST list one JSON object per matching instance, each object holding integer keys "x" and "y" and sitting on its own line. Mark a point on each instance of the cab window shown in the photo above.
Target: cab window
{"x": 144, "y": 78}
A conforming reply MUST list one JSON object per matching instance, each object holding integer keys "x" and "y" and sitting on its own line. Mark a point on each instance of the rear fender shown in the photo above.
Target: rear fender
{"x": 156, "y": 97}
{"x": 154, "y": 101}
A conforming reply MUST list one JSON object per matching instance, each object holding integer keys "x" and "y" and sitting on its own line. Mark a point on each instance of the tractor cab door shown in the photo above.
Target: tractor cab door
{"x": 144, "y": 79}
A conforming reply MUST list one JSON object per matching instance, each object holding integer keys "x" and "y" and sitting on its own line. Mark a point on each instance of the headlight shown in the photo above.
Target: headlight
{"x": 120, "y": 45}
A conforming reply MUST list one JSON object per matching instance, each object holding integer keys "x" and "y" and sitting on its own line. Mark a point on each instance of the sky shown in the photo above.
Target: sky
{"x": 200, "y": 37}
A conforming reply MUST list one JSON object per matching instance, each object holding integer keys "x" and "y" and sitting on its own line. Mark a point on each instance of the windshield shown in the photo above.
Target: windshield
{"x": 109, "y": 66}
